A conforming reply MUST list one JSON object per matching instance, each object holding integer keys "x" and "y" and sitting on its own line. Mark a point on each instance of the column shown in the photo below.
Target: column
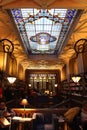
{"x": 67, "y": 70}
{"x": 80, "y": 63}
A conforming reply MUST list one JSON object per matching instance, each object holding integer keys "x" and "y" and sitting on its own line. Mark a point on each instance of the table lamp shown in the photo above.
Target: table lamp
{"x": 24, "y": 102}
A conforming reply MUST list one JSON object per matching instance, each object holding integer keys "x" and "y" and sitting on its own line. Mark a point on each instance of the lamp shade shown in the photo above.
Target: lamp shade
{"x": 11, "y": 79}
{"x": 76, "y": 79}
{"x": 24, "y": 102}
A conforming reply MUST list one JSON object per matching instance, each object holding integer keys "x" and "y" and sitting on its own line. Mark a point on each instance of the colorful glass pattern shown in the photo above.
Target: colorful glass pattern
{"x": 51, "y": 26}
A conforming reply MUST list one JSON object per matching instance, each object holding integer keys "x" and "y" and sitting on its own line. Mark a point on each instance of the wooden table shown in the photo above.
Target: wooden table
{"x": 19, "y": 123}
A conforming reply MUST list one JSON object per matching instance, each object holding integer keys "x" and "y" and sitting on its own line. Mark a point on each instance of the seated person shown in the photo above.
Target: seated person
{"x": 71, "y": 118}
{"x": 84, "y": 116}
{"x": 71, "y": 113}
{"x": 4, "y": 113}
{"x": 3, "y": 109}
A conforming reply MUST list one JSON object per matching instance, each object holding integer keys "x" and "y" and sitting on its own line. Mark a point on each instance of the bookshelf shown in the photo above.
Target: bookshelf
{"x": 75, "y": 89}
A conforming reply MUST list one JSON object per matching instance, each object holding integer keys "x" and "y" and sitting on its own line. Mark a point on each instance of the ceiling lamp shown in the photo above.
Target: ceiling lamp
{"x": 8, "y": 47}
{"x": 11, "y": 79}
{"x": 76, "y": 79}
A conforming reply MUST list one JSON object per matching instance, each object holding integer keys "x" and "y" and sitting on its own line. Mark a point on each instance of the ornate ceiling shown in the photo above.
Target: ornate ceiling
{"x": 21, "y": 51}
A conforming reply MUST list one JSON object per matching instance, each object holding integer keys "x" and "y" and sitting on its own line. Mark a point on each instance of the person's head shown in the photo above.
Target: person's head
{"x": 2, "y": 105}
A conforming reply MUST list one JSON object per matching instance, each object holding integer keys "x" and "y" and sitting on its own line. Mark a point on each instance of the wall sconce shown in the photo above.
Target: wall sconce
{"x": 76, "y": 79}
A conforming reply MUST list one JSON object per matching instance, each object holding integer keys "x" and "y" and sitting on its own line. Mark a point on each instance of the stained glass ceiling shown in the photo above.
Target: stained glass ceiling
{"x": 42, "y": 30}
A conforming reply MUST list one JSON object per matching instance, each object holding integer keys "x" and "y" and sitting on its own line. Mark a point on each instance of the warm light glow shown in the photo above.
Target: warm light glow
{"x": 51, "y": 93}
{"x": 24, "y": 102}
{"x": 11, "y": 79}
{"x": 76, "y": 79}
{"x": 47, "y": 91}
{"x": 55, "y": 85}
{"x": 29, "y": 85}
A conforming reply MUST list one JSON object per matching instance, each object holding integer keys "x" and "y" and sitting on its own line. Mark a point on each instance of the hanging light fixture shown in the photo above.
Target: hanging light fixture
{"x": 76, "y": 79}
{"x": 8, "y": 47}
{"x": 12, "y": 78}
{"x": 79, "y": 47}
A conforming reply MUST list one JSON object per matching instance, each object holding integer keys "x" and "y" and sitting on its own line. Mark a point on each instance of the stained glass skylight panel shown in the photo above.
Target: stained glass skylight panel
{"x": 36, "y": 25}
